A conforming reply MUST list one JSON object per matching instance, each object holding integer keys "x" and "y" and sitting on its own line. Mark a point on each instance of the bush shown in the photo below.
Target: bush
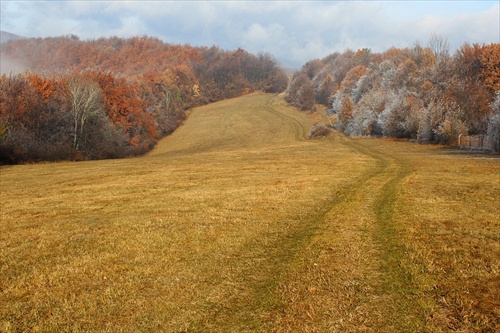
{"x": 319, "y": 130}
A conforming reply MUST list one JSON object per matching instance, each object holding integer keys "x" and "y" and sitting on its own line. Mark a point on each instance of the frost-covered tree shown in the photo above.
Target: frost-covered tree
{"x": 493, "y": 133}
{"x": 420, "y": 92}
{"x": 394, "y": 118}
{"x": 365, "y": 116}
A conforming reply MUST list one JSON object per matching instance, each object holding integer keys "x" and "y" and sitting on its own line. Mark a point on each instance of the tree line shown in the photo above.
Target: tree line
{"x": 114, "y": 97}
{"x": 420, "y": 93}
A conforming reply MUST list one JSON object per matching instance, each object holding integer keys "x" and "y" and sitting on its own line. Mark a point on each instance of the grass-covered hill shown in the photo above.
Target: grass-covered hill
{"x": 237, "y": 222}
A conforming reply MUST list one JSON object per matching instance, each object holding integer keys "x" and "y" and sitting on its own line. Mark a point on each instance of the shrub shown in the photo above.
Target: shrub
{"x": 319, "y": 130}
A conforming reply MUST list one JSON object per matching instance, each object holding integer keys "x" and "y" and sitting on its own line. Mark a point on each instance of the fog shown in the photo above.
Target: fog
{"x": 9, "y": 66}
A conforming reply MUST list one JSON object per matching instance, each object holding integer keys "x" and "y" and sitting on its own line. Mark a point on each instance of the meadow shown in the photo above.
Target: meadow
{"x": 239, "y": 222}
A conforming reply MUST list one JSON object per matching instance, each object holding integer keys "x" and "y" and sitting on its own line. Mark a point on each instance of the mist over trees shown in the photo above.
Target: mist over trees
{"x": 420, "y": 93}
{"x": 113, "y": 97}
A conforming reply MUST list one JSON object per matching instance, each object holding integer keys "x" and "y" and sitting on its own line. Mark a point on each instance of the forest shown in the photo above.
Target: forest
{"x": 116, "y": 97}
{"x": 420, "y": 93}
{"x": 113, "y": 97}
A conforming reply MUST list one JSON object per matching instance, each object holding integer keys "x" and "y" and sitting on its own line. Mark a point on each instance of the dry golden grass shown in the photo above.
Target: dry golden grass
{"x": 452, "y": 204}
{"x": 413, "y": 247}
{"x": 239, "y": 223}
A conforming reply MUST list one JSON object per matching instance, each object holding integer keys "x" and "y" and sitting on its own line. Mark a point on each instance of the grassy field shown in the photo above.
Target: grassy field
{"x": 240, "y": 223}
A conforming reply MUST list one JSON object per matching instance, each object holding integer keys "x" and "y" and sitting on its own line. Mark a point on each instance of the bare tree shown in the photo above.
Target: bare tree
{"x": 85, "y": 98}
{"x": 440, "y": 46}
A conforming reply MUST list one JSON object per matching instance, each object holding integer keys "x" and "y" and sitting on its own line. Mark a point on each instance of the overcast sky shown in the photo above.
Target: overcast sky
{"x": 294, "y": 32}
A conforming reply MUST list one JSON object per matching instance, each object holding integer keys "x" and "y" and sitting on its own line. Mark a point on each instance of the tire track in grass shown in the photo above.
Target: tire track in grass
{"x": 402, "y": 313}
{"x": 351, "y": 278}
{"x": 265, "y": 258}
{"x": 266, "y": 269}
{"x": 271, "y": 259}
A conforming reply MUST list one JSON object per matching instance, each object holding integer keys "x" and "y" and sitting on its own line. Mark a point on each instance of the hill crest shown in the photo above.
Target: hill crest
{"x": 6, "y": 36}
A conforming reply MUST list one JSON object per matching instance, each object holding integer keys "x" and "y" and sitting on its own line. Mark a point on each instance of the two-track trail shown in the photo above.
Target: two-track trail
{"x": 336, "y": 266}
{"x": 238, "y": 222}
{"x": 350, "y": 278}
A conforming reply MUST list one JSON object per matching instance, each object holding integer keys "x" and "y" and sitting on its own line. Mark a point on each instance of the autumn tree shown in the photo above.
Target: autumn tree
{"x": 164, "y": 99}
{"x": 468, "y": 89}
{"x": 33, "y": 121}
{"x": 351, "y": 78}
{"x": 300, "y": 92}
{"x": 345, "y": 114}
{"x": 490, "y": 66}
{"x": 16, "y": 96}
{"x": 128, "y": 111}
{"x": 325, "y": 90}
{"x": 271, "y": 78}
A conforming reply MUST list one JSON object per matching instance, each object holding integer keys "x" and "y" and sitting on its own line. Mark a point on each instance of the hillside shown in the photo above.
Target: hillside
{"x": 239, "y": 223}
{"x": 7, "y": 36}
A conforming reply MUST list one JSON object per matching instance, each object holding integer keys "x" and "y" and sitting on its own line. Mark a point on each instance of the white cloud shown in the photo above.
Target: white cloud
{"x": 129, "y": 26}
{"x": 482, "y": 27}
{"x": 294, "y": 30}
{"x": 256, "y": 34}
{"x": 83, "y": 7}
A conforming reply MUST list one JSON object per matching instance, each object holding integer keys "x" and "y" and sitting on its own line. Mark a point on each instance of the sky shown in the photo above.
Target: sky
{"x": 294, "y": 32}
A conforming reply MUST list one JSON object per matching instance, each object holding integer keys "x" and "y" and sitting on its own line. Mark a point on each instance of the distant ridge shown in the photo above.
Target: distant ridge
{"x": 6, "y": 36}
